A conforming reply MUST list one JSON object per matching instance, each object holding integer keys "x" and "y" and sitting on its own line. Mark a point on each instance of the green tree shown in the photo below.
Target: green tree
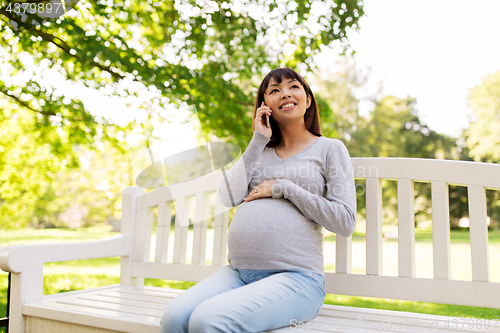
{"x": 394, "y": 129}
{"x": 195, "y": 51}
{"x": 36, "y": 184}
{"x": 483, "y": 134}
{"x": 338, "y": 89}
{"x": 208, "y": 54}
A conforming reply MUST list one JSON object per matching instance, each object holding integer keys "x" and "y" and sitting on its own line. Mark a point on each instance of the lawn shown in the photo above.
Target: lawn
{"x": 82, "y": 274}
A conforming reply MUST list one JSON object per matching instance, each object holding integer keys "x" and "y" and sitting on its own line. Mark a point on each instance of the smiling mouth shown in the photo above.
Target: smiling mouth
{"x": 287, "y": 106}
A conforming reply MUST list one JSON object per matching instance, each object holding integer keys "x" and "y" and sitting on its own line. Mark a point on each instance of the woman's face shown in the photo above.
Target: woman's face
{"x": 288, "y": 100}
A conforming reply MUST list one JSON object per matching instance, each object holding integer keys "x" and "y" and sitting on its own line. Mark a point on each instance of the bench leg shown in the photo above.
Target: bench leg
{"x": 25, "y": 286}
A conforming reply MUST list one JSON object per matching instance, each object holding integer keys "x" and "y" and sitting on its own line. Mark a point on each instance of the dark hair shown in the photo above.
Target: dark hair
{"x": 311, "y": 117}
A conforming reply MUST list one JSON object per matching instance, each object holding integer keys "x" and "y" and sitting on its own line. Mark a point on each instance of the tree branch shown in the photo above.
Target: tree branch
{"x": 58, "y": 42}
{"x": 18, "y": 100}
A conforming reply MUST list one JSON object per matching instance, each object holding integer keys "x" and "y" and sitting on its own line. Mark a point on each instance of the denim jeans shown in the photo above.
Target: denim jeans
{"x": 245, "y": 300}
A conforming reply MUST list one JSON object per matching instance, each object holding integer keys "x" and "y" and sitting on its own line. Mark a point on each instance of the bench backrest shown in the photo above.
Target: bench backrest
{"x": 170, "y": 257}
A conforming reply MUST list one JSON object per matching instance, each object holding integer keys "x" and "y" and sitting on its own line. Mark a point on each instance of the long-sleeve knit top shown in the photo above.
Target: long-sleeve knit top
{"x": 313, "y": 189}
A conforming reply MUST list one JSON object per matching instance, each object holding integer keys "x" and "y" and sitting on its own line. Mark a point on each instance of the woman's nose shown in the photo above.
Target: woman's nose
{"x": 285, "y": 94}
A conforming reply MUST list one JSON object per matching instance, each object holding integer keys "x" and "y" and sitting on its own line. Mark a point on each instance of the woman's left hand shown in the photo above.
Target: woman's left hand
{"x": 262, "y": 190}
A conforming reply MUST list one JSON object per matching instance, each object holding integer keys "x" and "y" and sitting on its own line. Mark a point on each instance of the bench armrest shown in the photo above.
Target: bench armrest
{"x": 14, "y": 258}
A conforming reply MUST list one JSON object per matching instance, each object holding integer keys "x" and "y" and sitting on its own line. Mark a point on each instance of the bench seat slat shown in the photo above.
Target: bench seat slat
{"x": 132, "y": 297}
{"x": 151, "y": 293}
{"x": 125, "y": 301}
{"x": 119, "y": 307}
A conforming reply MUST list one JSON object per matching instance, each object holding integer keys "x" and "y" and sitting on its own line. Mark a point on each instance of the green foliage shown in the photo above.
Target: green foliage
{"x": 43, "y": 177}
{"x": 394, "y": 129}
{"x": 60, "y": 283}
{"x": 108, "y": 46}
{"x": 96, "y": 47}
{"x": 337, "y": 90}
{"x": 29, "y": 236}
{"x": 483, "y": 134}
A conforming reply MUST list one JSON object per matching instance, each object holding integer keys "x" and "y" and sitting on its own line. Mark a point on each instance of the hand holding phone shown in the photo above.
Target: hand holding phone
{"x": 261, "y": 121}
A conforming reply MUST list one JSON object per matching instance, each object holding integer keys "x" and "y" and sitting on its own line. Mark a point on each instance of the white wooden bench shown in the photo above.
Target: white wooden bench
{"x": 133, "y": 307}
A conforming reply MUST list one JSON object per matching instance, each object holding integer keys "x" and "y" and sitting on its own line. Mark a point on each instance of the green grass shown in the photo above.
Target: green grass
{"x": 83, "y": 274}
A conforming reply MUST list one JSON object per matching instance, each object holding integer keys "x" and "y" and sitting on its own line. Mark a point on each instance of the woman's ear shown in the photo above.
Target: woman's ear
{"x": 309, "y": 99}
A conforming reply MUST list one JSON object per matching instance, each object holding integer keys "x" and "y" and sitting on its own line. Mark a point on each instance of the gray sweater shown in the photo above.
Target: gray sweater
{"x": 313, "y": 189}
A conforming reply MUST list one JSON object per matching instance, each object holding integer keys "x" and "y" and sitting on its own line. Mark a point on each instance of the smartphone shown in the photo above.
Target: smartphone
{"x": 267, "y": 118}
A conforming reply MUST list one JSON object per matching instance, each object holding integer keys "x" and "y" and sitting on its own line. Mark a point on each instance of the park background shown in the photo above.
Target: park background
{"x": 91, "y": 98}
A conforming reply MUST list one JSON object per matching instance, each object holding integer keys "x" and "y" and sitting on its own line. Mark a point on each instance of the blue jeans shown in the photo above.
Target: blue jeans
{"x": 246, "y": 300}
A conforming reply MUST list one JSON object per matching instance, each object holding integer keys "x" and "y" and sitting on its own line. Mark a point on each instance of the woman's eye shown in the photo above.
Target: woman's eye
{"x": 295, "y": 86}
{"x": 273, "y": 91}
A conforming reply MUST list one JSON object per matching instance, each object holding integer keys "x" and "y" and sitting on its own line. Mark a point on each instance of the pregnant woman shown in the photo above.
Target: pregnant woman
{"x": 291, "y": 183}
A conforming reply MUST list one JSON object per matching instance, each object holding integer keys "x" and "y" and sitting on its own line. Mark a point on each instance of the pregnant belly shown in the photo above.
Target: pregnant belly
{"x": 271, "y": 232}
{"x": 257, "y": 218}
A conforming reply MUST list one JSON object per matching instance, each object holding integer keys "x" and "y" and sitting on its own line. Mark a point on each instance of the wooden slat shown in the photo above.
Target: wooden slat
{"x": 221, "y": 219}
{"x": 181, "y": 230}
{"x": 428, "y": 170}
{"x": 478, "y": 233}
{"x": 200, "y": 228}
{"x": 144, "y": 298}
{"x": 160, "y": 224}
{"x": 457, "y": 292}
{"x": 119, "y": 307}
{"x": 406, "y": 228}
{"x": 142, "y": 237}
{"x": 185, "y": 189}
{"x": 158, "y": 294}
{"x": 441, "y": 230}
{"x": 373, "y": 226}
{"x": 129, "y": 208}
{"x": 163, "y": 231}
{"x": 125, "y": 301}
{"x": 343, "y": 254}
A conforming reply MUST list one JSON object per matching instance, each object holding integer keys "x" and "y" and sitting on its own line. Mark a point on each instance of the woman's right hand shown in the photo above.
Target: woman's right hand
{"x": 260, "y": 121}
